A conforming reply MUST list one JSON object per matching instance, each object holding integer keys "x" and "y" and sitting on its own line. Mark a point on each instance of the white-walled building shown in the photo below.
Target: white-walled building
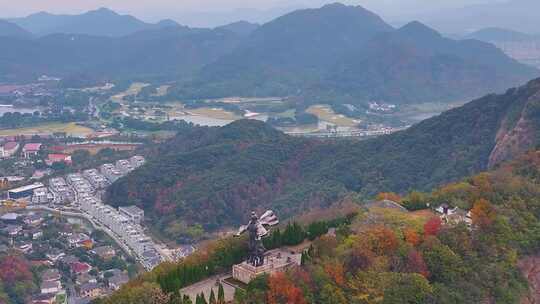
{"x": 40, "y": 196}
{"x": 134, "y": 213}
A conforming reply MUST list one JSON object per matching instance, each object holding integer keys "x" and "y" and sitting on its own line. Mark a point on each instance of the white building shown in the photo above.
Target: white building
{"x": 124, "y": 166}
{"x": 110, "y": 172}
{"x": 134, "y": 213}
{"x": 95, "y": 178}
{"x": 41, "y": 196}
{"x": 137, "y": 161}
{"x": 49, "y": 287}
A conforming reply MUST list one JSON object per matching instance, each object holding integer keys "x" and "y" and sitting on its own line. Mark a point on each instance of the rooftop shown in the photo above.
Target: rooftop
{"x": 89, "y": 286}
{"x": 79, "y": 267}
{"x": 32, "y": 147}
{"x": 9, "y": 217}
{"x": 50, "y": 274}
{"x": 50, "y": 284}
{"x": 10, "y": 145}
{"x": 131, "y": 209}
{"x": 118, "y": 279}
{"x": 26, "y": 188}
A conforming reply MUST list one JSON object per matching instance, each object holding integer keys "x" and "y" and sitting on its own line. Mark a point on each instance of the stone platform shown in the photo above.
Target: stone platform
{"x": 274, "y": 261}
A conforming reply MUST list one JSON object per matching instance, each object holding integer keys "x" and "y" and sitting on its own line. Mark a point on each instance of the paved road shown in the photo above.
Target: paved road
{"x": 97, "y": 226}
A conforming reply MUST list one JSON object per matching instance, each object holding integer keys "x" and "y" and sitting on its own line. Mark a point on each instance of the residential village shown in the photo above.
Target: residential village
{"x": 78, "y": 264}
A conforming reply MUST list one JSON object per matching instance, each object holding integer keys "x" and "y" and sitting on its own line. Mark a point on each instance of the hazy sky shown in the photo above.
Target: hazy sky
{"x": 185, "y": 10}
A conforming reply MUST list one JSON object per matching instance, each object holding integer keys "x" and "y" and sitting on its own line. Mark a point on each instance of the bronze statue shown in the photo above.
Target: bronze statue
{"x": 256, "y": 231}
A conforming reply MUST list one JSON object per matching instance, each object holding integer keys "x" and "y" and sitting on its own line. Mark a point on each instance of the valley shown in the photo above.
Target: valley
{"x": 326, "y": 155}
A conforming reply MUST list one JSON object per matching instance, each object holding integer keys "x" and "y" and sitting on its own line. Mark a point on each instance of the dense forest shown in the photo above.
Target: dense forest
{"x": 392, "y": 256}
{"x": 210, "y": 177}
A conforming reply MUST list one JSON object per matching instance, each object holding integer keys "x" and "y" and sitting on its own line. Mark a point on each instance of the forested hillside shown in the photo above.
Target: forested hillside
{"x": 170, "y": 52}
{"x": 212, "y": 176}
{"x": 347, "y": 54}
{"x": 390, "y": 256}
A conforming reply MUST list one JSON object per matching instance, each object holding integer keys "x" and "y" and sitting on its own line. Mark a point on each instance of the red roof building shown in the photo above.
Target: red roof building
{"x": 57, "y": 149}
{"x": 11, "y": 145}
{"x": 9, "y": 149}
{"x": 58, "y": 158}
{"x": 79, "y": 267}
{"x": 31, "y": 149}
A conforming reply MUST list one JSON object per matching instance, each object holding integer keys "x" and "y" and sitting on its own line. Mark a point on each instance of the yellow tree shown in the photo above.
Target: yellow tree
{"x": 483, "y": 213}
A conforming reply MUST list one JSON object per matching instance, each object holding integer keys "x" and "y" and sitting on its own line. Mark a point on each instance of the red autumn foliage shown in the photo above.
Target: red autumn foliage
{"x": 382, "y": 240}
{"x": 281, "y": 290}
{"x": 433, "y": 226}
{"x": 336, "y": 272}
{"x": 301, "y": 276}
{"x": 416, "y": 263}
{"x": 14, "y": 269}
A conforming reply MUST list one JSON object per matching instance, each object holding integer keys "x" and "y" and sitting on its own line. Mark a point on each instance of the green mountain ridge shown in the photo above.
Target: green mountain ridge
{"x": 346, "y": 54}
{"x": 170, "y": 52}
{"x": 211, "y": 176}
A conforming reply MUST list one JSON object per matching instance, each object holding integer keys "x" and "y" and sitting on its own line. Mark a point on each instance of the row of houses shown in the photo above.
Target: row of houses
{"x": 125, "y": 223}
{"x": 61, "y": 192}
{"x": 68, "y": 190}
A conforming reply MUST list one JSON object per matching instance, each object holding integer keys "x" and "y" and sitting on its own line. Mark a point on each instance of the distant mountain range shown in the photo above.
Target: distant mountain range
{"x": 174, "y": 52}
{"x": 501, "y": 35}
{"x": 335, "y": 54}
{"x": 100, "y": 22}
{"x": 343, "y": 53}
{"x": 8, "y": 29}
{"x": 243, "y": 28}
{"x": 518, "y": 15}
{"x": 211, "y": 176}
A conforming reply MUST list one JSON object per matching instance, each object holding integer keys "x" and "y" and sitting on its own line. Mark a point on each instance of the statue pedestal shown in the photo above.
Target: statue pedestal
{"x": 274, "y": 261}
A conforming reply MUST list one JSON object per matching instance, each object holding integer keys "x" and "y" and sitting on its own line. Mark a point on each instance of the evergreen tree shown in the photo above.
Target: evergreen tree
{"x": 212, "y": 299}
{"x": 221, "y": 294}
{"x": 294, "y": 234}
{"x": 203, "y": 299}
{"x": 176, "y": 298}
{"x": 304, "y": 258}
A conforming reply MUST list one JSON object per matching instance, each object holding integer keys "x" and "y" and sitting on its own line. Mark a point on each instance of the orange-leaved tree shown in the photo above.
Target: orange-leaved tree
{"x": 483, "y": 213}
{"x": 411, "y": 236}
{"x": 281, "y": 290}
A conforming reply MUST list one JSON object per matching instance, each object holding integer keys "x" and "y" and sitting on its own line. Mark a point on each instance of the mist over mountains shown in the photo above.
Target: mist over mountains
{"x": 100, "y": 22}
{"x": 332, "y": 54}
{"x": 517, "y": 15}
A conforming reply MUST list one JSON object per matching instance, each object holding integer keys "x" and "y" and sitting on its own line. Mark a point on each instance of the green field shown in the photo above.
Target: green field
{"x": 49, "y": 128}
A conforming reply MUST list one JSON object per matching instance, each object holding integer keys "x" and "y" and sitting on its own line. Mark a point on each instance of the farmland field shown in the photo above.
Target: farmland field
{"x": 134, "y": 89}
{"x": 49, "y": 128}
{"x": 325, "y": 113}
